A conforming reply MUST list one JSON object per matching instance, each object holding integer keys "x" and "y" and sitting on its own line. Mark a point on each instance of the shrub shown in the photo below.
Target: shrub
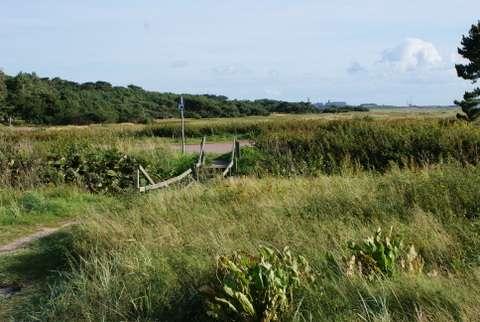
{"x": 256, "y": 288}
{"x": 382, "y": 255}
{"x": 345, "y": 109}
{"x": 98, "y": 170}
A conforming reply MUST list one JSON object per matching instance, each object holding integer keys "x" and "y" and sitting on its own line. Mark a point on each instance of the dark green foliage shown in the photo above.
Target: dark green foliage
{"x": 56, "y": 101}
{"x": 85, "y": 158}
{"x": 3, "y": 91}
{"x": 97, "y": 170}
{"x": 107, "y": 170}
{"x": 345, "y": 109}
{"x": 5, "y": 109}
{"x": 274, "y": 106}
{"x": 470, "y": 50}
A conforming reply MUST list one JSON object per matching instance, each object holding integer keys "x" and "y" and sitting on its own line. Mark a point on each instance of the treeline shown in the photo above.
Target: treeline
{"x": 31, "y": 99}
{"x": 345, "y": 109}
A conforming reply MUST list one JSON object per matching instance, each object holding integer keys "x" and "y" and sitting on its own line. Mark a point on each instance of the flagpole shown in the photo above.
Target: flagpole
{"x": 181, "y": 106}
{"x": 183, "y": 132}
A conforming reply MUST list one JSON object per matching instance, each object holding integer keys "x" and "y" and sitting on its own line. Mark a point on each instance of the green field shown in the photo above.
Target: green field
{"x": 314, "y": 183}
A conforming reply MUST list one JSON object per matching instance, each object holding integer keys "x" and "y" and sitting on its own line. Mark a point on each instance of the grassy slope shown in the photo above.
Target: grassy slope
{"x": 145, "y": 259}
{"x": 22, "y": 213}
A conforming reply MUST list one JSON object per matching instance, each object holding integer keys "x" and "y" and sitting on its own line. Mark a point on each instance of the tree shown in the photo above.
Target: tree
{"x": 3, "y": 88}
{"x": 41, "y": 100}
{"x": 470, "y": 50}
{"x": 3, "y": 97}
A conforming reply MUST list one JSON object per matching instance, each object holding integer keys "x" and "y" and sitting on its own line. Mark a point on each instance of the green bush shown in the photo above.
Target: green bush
{"x": 256, "y": 288}
{"x": 98, "y": 158}
{"x": 97, "y": 170}
{"x": 382, "y": 255}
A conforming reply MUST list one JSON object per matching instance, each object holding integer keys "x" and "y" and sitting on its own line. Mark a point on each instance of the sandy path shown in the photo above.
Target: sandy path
{"x": 25, "y": 241}
{"x": 211, "y": 147}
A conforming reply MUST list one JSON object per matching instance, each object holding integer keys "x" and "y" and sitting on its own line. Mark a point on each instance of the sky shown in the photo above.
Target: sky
{"x": 369, "y": 51}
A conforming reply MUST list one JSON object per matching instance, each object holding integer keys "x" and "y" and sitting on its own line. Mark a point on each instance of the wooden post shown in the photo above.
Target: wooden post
{"x": 183, "y": 131}
{"x": 202, "y": 150}
{"x": 201, "y": 159}
{"x": 181, "y": 107}
{"x": 144, "y": 172}
{"x": 137, "y": 179}
{"x": 237, "y": 154}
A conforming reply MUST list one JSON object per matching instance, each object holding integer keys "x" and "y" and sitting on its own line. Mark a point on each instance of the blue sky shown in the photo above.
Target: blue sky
{"x": 379, "y": 51}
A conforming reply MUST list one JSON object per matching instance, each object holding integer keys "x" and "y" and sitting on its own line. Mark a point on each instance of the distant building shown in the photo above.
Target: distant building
{"x": 330, "y": 104}
{"x": 368, "y": 105}
{"x": 335, "y": 104}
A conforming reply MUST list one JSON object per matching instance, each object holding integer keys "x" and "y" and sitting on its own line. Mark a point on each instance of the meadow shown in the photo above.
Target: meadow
{"x": 313, "y": 183}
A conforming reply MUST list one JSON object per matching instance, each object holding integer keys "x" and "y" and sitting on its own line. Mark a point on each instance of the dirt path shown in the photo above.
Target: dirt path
{"x": 211, "y": 147}
{"x": 25, "y": 241}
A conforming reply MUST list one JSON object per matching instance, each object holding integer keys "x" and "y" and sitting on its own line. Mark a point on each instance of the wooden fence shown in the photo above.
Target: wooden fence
{"x": 233, "y": 158}
{"x": 194, "y": 171}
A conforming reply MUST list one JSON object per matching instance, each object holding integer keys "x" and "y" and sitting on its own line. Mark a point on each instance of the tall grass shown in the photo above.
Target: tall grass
{"x": 292, "y": 147}
{"x": 22, "y": 212}
{"x": 247, "y": 128}
{"x": 147, "y": 261}
{"x": 328, "y": 147}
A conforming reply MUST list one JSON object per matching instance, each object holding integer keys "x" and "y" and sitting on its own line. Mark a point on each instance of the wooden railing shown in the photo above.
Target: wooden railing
{"x": 192, "y": 171}
{"x": 166, "y": 183}
{"x": 201, "y": 157}
{"x": 233, "y": 158}
{"x": 152, "y": 186}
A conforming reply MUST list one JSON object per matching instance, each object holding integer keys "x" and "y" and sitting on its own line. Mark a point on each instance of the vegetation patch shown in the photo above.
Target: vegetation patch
{"x": 106, "y": 163}
{"x": 36, "y": 100}
{"x": 309, "y": 148}
{"x": 256, "y": 288}
{"x": 382, "y": 256}
{"x": 97, "y": 170}
{"x": 144, "y": 259}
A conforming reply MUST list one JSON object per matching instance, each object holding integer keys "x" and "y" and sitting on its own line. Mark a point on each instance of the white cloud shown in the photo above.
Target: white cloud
{"x": 412, "y": 54}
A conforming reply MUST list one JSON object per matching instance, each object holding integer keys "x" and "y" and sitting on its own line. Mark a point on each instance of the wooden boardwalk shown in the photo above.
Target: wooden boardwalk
{"x": 225, "y": 166}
